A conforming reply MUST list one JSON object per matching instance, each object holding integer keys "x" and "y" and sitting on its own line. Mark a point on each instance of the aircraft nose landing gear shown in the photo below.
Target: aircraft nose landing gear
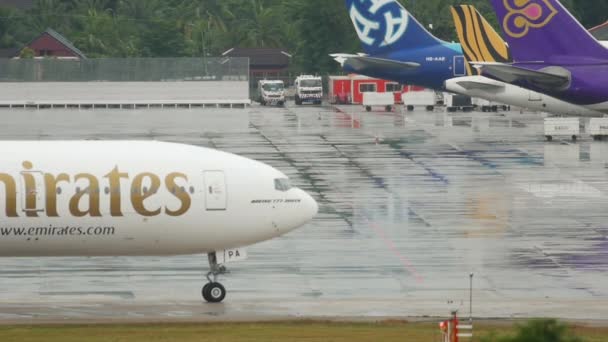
{"x": 214, "y": 292}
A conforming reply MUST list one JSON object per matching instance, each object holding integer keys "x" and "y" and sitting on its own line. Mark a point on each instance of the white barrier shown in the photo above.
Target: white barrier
{"x": 123, "y": 94}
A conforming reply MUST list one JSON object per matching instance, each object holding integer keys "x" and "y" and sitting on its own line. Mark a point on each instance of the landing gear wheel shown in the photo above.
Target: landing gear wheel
{"x": 214, "y": 292}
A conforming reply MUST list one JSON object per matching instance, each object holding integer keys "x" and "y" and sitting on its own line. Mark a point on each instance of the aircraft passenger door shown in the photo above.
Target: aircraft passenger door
{"x": 32, "y": 190}
{"x": 459, "y": 66}
{"x": 215, "y": 190}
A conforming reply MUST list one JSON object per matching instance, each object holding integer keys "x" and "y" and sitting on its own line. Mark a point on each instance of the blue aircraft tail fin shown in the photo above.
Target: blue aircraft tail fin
{"x": 384, "y": 26}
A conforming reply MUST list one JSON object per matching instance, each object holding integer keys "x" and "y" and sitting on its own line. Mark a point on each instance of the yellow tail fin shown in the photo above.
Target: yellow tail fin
{"x": 480, "y": 42}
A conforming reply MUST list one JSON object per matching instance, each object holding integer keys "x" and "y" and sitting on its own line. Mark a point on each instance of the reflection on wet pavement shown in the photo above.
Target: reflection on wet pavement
{"x": 410, "y": 204}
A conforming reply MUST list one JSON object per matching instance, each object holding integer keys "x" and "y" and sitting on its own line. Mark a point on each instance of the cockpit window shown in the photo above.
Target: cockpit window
{"x": 282, "y": 184}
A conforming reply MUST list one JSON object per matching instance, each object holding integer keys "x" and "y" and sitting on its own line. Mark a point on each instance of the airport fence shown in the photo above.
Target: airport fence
{"x": 125, "y": 69}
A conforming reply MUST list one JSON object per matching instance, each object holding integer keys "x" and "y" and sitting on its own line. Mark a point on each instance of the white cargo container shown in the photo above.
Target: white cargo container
{"x": 373, "y": 99}
{"x": 562, "y": 127}
{"x": 423, "y": 98}
{"x": 598, "y": 128}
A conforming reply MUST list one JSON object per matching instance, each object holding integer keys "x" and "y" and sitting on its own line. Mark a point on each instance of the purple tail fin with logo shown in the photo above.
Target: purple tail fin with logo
{"x": 544, "y": 30}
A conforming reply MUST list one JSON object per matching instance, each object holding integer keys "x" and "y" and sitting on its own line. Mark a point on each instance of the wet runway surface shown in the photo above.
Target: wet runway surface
{"x": 410, "y": 205}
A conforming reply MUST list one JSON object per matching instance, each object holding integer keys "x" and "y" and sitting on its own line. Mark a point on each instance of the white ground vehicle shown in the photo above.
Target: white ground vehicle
{"x": 457, "y": 102}
{"x": 309, "y": 89}
{"x": 373, "y": 99}
{"x": 598, "y": 128}
{"x": 425, "y": 98}
{"x": 569, "y": 127}
{"x": 271, "y": 92}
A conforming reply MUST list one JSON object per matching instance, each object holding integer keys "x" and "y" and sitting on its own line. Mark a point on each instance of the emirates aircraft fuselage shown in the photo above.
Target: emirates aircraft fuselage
{"x": 93, "y": 198}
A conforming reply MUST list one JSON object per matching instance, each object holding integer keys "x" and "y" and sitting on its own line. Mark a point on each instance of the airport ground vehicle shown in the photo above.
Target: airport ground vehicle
{"x": 309, "y": 89}
{"x": 385, "y": 100}
{"x": 425, "y": 98}
{"x": 142, "y": 198}
{"x": 455, "y": 103}
{"x": 598, "y": 128}
{"x": 271, "y": 92}
{"x": 564, "y": 127}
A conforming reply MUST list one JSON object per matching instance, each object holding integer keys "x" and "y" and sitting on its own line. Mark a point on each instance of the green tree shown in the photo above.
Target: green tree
{"x": 162, "y": 38}
{"x": 319, "y": 33}
{"x": 592, "y": 13}
{"x": 96, "y": 35}
{"x": 262, "y": 27}
{"x": 27, "y": 53}
{"x": 49, "y": 14}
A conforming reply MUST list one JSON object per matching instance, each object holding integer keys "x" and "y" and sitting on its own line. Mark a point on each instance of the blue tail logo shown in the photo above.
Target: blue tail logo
{"x": 384, "y": 26}
{"x": 379, "y": 23}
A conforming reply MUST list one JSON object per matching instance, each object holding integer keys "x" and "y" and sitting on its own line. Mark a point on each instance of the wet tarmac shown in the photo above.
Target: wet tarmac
{"x": 411, "y": 204}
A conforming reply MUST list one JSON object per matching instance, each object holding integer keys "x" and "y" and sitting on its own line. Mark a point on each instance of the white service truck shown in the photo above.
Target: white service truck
{"x": 598, "y": 128}
{"x": 564, "y": 127}
{"x": 309, "y": 89}
{"x": 271, "y": 93}
{"x": 424, "y": 98}
{"x": 374, "y": 99}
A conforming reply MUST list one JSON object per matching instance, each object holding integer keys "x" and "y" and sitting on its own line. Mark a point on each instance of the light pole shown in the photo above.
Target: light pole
{"x": 471, "y": 298}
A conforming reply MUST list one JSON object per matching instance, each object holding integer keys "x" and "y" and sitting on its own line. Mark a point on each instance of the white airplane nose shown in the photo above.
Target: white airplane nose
{"x": 311, "y": 206}
{"x": 300, "y": 214}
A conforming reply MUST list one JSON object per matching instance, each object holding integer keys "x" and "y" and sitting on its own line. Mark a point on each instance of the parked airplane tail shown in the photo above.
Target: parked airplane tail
{"x": 544, "y": 30}
{"x": 384, "y": 26}
{"x": 480, "y": 42}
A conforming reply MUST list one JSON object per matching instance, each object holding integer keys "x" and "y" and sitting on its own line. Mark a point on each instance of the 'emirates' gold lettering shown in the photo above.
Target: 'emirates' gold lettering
{"x": 86, "y": 200}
